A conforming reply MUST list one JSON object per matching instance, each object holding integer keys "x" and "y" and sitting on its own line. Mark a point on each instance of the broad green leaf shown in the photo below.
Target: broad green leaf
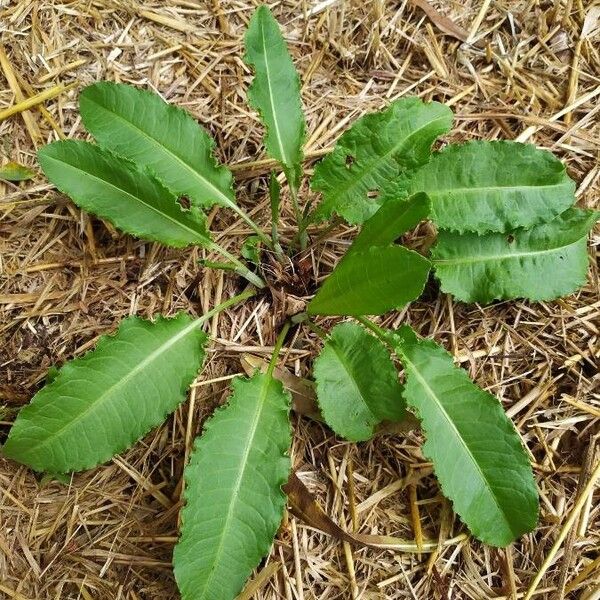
{"x": 371, "y": 282}
{"x": 395, "y": 217}
{"x": 374, "y": 152}
{"x": 275, "y": 92}
{"x": 140, "y": 125}
{"x": 476, "y": 452}
{"x": 542, "y": 263}
{"x": 13, "y": 171}
{"x": 493, "y": 186}
{"x": 234, "y": 502}
{"x": 120, "y": 192}
{"x": 100, "y": 404}
{"x": 357, "y": 383}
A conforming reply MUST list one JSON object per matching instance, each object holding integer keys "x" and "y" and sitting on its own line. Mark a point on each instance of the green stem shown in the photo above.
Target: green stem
{"x": 240, "y": 267}
{"x": 381, "y": 333}
{"x": 263, "y": 236}
{"x": 213, "y": 264}
{"x": 300, "y": 236}
{"x": 247, "y": 293}
{"x": 277, "y": 348}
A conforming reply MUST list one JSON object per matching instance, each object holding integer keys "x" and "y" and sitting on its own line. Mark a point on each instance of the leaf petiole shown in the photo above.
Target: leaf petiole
{"x": 277, "y": 348}
{"x": 275, "y": 197}
{"x": 247, "y": 293}
{"x": 237, "y": 265}
{"x": 381, "y": 333}
{"x": 259, "y": 232}
{"x": 213, "y": 264}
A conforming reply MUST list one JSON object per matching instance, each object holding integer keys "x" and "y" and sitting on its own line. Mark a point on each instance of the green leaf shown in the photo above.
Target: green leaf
{"x": 13, "y": 171}
{"x": 250, "y": 249}
{"x": 275, "y": 92}
{"x": 275, "y": 198}
{"x": 542, "y": 263}
{"x": 120, "y": 192}
{"x": 374, "y": 152}
{"x": 357, "y": 383}
{"x": 234, "y": 501}
{"x": 395, "y": 217}
{"x": 371, "y": 282}
{"x": 493, "y": 186}
{"x": 476, "y": 452}
{"x": 140, "y": 125}
{"x": 100, "y": 404}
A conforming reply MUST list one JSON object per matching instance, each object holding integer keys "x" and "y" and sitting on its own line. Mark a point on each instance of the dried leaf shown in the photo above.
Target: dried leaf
{"x": 591, "y": 23}
{"x": 304, "y": 396}
{"x": 13, "y": 171}
{"x": 443, "y": 23}
{"x": 304, "y": 505}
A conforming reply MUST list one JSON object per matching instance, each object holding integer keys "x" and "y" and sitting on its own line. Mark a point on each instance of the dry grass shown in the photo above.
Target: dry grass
{"x": 66, "y": 279}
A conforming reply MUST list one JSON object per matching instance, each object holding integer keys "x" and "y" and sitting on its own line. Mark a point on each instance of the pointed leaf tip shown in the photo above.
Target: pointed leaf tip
{"x": 375, "y": 151}
{"x": 119, "y": 191}
{"x": 476, "y": 451}
{"x": 100, "y": 404}
{"x": 275, "y": 92}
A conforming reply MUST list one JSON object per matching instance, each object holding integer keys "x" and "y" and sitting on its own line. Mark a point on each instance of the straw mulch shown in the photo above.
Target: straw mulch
{"x": 530, "y": 71}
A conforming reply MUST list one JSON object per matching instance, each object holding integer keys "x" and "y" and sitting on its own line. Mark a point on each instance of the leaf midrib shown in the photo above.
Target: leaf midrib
{"x": 432, "y": 193}
{"x": 224, "y": 198}
{"x": 272, "y": 99}
{"x": 238, "y": 483}
{"x": 346, "y": 366}
{"x": 372, "y": 165}
{"x": 120, "y": 383}
{"x": 410, "y": 365}
{"x": 501, "y": 257}
{"x": 204, "y": 238}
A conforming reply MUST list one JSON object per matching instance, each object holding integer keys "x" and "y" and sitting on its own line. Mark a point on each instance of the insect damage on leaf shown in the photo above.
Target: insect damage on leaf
{"x": 492, "y": 186}
{"x": 507, "y": 229}
{"x": 374, "y": 152}
{"x": 121, "y": 192}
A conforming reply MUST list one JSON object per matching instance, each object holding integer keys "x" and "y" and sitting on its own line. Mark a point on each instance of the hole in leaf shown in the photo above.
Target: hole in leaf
{"x": 184, "y": 202}
{"x": 349, "y": 160}
{"x": 510, "y": 238}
